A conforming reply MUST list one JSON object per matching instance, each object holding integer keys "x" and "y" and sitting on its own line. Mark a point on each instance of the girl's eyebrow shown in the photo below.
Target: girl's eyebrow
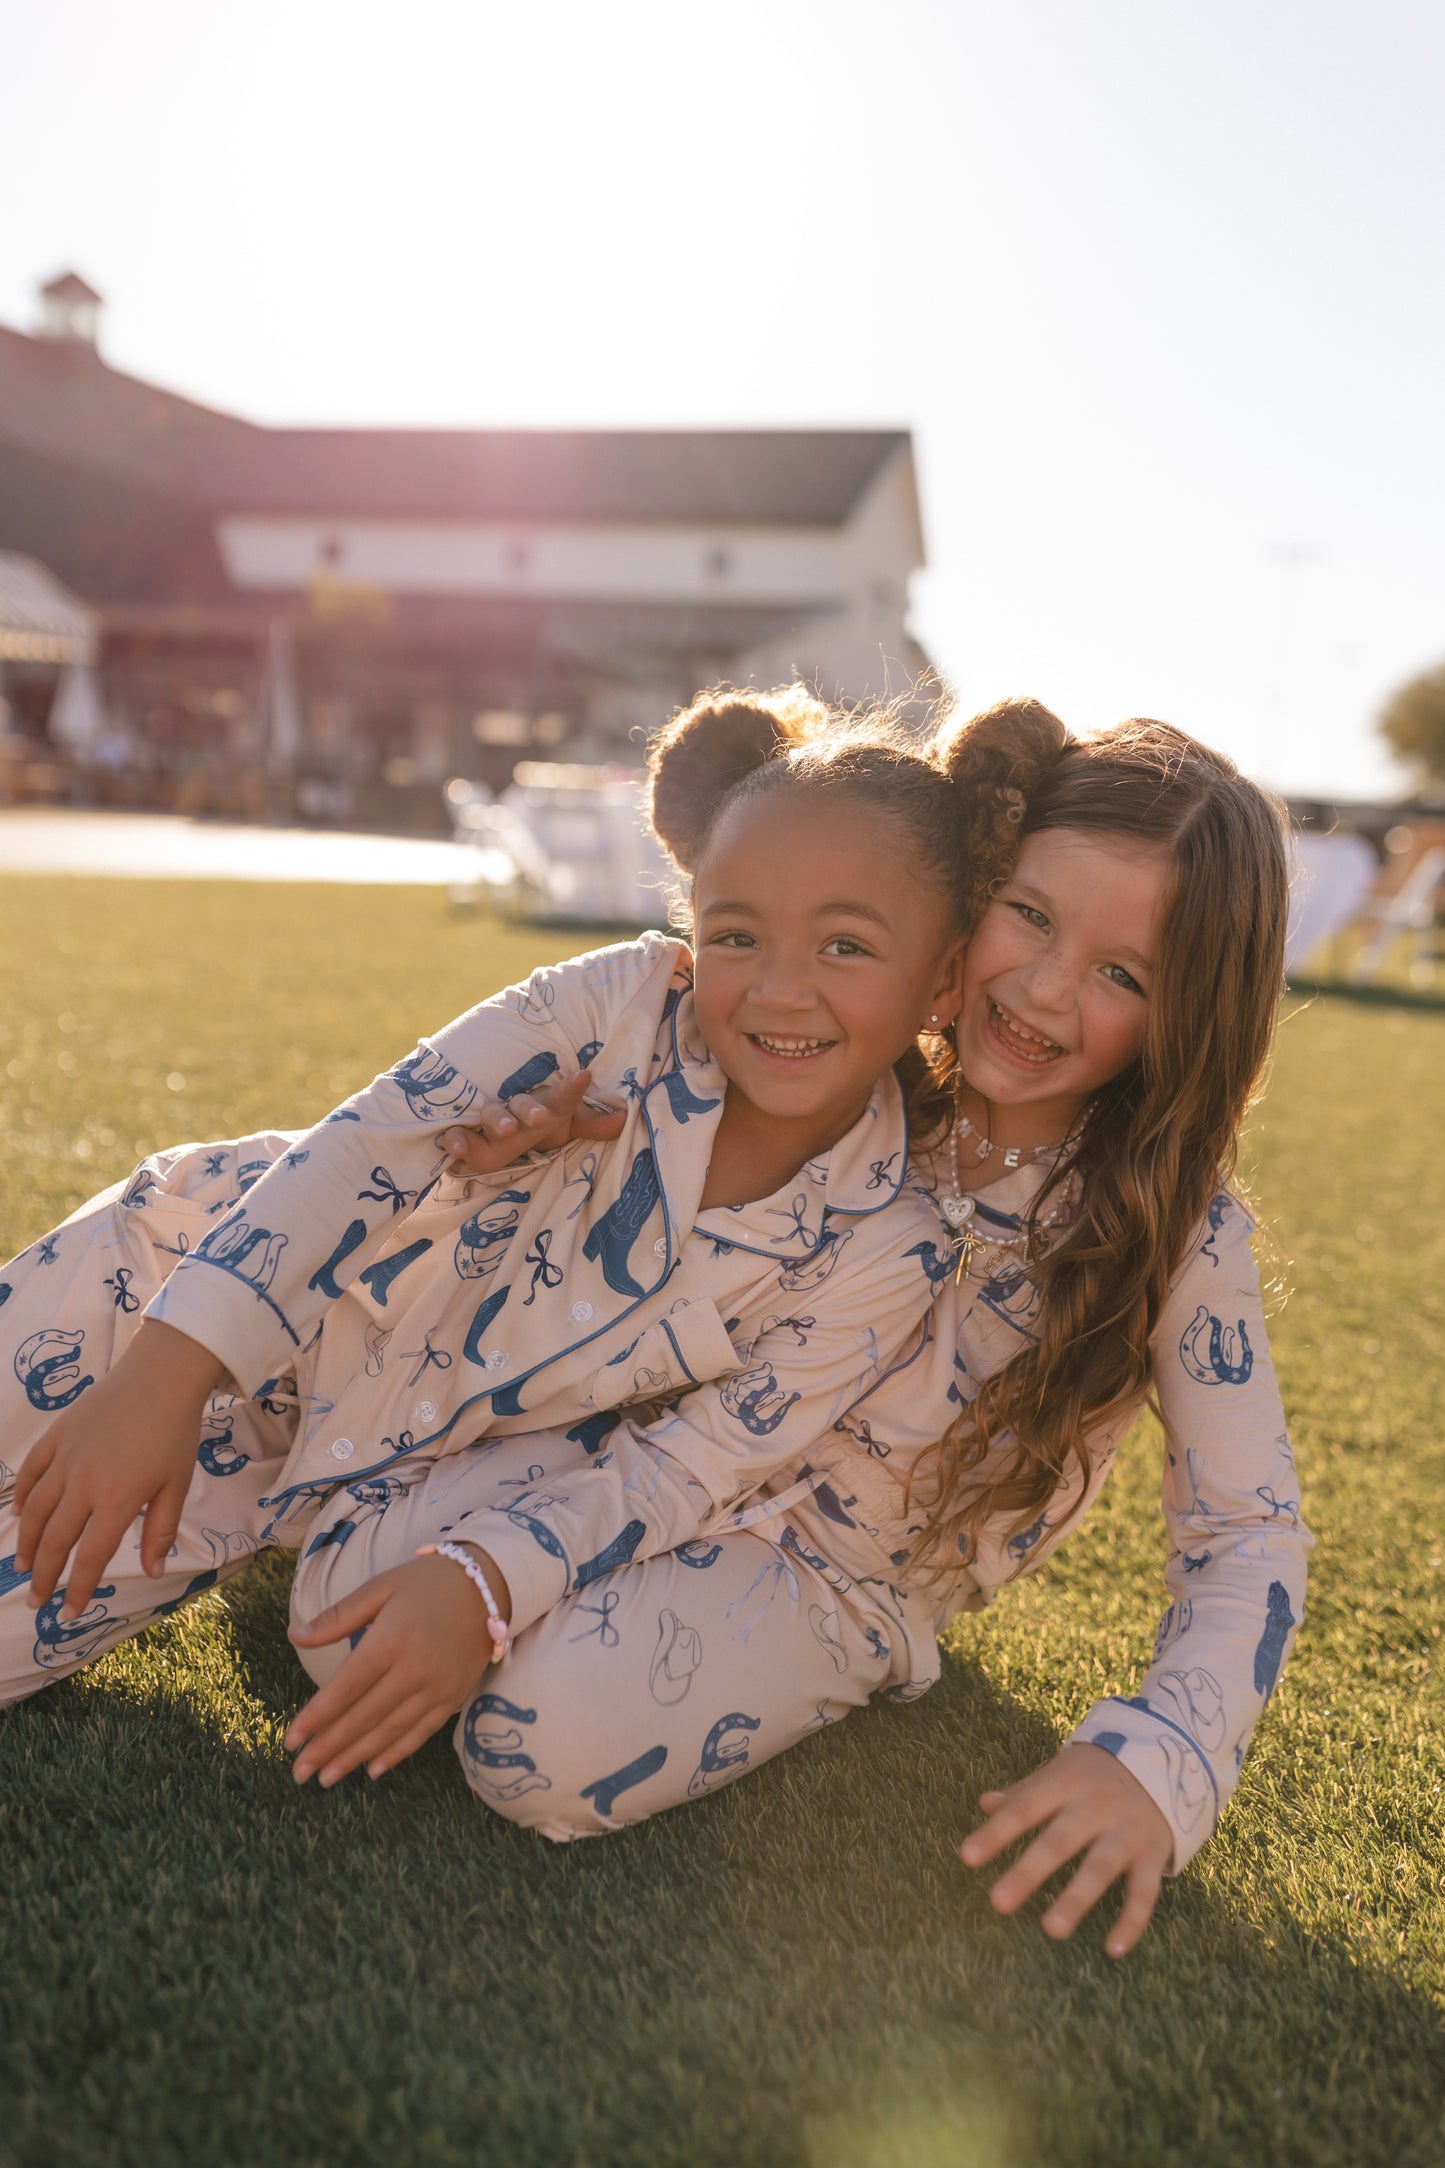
{"x": 841, "y": 909}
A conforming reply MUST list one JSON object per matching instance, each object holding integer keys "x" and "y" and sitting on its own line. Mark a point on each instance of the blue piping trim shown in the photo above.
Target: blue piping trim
{"x": 897, "y": 1369}
{"x": 1122, "y": 1701}
{"x": 677, "y": 1351}
{"x": 198, "y": 1257}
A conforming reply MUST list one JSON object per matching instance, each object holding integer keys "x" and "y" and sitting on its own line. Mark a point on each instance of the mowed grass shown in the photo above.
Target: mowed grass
{"x": 202, "y": 1963}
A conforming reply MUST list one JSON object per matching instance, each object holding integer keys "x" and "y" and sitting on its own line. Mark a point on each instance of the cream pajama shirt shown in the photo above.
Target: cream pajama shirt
{"x": 655, "y": 1363}
{"x": 1237, "y": 1546}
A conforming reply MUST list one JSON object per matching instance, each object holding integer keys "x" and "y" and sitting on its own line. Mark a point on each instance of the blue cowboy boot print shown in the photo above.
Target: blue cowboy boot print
{"x": 603, "y": 1791}
{"x": 617, "y": 1230}
{"x": 1270, "y": 1653}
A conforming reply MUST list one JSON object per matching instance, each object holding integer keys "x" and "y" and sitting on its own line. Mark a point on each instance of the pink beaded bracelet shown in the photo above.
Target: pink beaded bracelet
{"x": 496, "y": 1625}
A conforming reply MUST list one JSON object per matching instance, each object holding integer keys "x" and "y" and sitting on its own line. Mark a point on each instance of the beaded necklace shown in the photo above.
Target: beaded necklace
{"x": 958, "y": 1207}
{"x": 1014, "y": 1155}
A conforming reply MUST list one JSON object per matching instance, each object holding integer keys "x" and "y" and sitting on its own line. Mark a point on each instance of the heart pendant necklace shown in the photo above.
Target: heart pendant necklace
{"x": 958, "y": 1209}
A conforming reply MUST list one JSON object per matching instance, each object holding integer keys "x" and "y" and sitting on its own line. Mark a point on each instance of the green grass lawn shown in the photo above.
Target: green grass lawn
{"x": 201, "y": 1964}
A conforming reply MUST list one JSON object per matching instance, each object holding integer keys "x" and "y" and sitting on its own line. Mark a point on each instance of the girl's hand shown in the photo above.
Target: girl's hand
{"x": 127, "y": 1446}
{"x": 539, "y": 1121}
{"x": 421, "y": 1645}
{"x": 1082, "y": 1801}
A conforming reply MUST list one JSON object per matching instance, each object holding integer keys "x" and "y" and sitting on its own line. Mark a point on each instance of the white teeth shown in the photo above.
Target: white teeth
{"x": 1016, "y": 1030}
{"x": 794, "y": 1048}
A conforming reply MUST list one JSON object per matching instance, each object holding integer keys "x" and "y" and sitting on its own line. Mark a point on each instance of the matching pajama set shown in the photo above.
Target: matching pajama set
{"x": 686, "y": 1437}
{"x": 572, "y": 1363}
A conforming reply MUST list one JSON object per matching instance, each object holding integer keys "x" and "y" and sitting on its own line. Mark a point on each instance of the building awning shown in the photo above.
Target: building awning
{"x": 41, "y": 621}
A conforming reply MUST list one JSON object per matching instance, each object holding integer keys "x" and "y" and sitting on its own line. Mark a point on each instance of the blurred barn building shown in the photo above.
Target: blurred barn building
{"x": 335, "y": 620}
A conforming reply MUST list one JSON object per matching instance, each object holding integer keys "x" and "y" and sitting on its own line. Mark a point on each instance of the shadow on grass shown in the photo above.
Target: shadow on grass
{"x": 205, "y": 1961}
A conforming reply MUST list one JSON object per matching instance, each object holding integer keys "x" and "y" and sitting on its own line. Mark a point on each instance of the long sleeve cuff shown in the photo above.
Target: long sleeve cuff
{"x": 536, "y": 1576}
{"x": 552, "y": 1543}
{"x": 1165, "y": 1760}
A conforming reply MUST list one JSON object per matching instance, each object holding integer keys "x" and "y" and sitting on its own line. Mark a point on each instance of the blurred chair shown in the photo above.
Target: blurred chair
{"x": 1413, "y": 910}
{"x": 564, "y": 842}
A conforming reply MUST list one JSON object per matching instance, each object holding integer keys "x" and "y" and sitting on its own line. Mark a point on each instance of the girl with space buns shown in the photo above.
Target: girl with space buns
{"x": 1118, "y": 1005}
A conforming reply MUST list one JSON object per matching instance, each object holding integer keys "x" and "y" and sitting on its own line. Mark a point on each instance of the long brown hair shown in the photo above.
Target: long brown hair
{"x": 1160, "y": 1138}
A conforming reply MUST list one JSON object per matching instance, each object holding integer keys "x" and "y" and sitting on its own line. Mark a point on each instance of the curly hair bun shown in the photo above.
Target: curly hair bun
{"x": 707, "y": 749}
{"x": 996, "y": 761}
{"x": 1009, "y": 747}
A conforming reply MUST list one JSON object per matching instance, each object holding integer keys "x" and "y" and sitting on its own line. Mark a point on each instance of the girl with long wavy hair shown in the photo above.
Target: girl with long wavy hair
{"x": 1081, "y": 1116}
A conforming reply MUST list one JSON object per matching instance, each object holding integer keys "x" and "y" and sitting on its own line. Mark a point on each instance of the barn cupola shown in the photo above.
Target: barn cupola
{"x": 70, "y": 310}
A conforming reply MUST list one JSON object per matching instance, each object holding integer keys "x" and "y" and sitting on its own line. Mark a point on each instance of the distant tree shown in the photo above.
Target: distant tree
{"x": 1413, "y": 726}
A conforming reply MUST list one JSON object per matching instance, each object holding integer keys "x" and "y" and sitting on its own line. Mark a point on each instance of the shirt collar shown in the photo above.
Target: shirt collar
{"x": 859, "y": 1175}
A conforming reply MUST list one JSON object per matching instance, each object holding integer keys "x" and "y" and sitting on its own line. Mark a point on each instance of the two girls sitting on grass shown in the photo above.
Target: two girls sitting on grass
{"x": 721, "y": 1411}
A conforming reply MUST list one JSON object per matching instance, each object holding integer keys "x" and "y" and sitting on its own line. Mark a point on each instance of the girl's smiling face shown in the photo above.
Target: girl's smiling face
{"x": 821, "y": 953}
{"x": 1059, "y": 977}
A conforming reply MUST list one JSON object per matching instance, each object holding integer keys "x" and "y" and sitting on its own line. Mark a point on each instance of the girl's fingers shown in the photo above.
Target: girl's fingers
{"x": 982, "y": 1845}
{"x": 598, "y": 1124}
{"x": 340, "y": 1620}
{"x": 342, "y": 1743}
{"x": 355, "y": 1678}
{"x": 499, "y": 1120}
{"x": 399, "y": 1735}
{"x": 498, "y": 1138}
{"x": 1141, "y": 1894}
{"x": 93, "y": 1553}
{"x": 1103, "y": 1863}
{"x": 341, "y": 1692}
{"x": 554, "y": 1112}
{"x": 365, "y": 1672}
{"x": 45, "y": 1495}
{"x": 380, "y": 1738}
{"x": 529, "y": 1112}
{"x": 430, "y": 1721}
{"x": 36, "y": 1463}
{"x": 162, "y": 1523}
{"x": 1051, "y": 1849}
{"x": 1010, "y": 1814}
{"x": 541, "y": 1120}
{"x": 56, "y": 1540}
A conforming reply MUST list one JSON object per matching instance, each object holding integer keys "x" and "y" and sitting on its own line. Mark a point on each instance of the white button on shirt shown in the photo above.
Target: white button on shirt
{"x": 342, "y": 1449}
{"x": 659, "y": 1247}
{"x": 425, "y": 1411}
{"x": 496, "y": 1358}
{"x": 581, "y": 1311}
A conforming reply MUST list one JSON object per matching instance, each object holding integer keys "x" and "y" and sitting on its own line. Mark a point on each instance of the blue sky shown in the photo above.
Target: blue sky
{"x": 1157, "y": 288}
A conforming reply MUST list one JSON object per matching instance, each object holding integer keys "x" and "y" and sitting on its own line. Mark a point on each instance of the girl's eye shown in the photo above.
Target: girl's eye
{"x": 733, "y": 937}
{"x": 1123, "y": 978}
{"x": 843, "y": 944}
{"x": 1031, "y": 916}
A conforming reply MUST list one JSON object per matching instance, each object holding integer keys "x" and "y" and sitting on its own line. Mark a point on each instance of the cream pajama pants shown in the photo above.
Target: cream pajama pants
{"x": 658, "y": 1682}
